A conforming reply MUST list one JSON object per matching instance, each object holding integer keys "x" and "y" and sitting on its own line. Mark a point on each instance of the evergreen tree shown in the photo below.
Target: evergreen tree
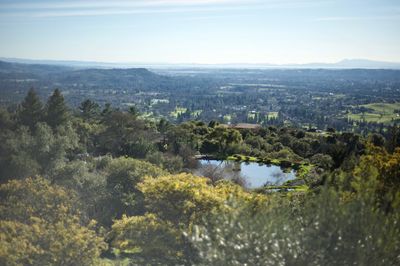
{"x": 107, "y": 110}
{"x": 134, "y": 111}
{"x": 31, "y": 110}
{"x": 57, "y": 111}
{"x": 89, "y": 109}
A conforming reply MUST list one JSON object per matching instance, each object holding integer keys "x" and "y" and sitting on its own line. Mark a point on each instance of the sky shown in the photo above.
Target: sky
{"x": 201, "y": 31}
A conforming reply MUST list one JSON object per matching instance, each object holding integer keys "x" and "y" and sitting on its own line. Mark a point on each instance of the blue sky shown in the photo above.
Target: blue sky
{"x": 201, "y": 31}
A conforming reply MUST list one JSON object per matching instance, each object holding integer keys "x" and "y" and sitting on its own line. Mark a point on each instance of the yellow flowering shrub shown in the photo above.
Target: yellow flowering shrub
{"x": 40, "y": 225}
{"x": 147, "y": 238}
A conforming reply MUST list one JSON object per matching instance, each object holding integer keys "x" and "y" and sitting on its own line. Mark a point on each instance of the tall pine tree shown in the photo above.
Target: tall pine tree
{"x": 31, "y": 110}
{"x": 89, "y": 109}
{"x": 57, "y": 111}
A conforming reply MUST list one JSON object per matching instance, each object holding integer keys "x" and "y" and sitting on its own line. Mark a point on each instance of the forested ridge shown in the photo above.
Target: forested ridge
{"x": 98, "y": 185}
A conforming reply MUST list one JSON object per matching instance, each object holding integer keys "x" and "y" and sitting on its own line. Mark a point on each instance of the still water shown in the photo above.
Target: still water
{"x": 254, "y": 174}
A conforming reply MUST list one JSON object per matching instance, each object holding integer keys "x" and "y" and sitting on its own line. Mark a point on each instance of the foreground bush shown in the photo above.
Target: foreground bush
{"x": 324, "y": 232}
{"x": 41, "y": 225}
{"x": 148, "y": 239}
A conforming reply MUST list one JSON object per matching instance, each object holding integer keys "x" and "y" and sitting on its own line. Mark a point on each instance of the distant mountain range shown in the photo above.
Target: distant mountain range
{"x": 355, "y": 63}
{"x": 344, "y": 64}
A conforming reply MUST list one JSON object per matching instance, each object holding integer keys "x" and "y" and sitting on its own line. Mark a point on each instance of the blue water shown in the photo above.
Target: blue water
{"x": 255, "y": 175}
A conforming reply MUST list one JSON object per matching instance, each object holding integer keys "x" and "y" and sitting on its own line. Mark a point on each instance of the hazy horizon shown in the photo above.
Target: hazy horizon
{"x": 201, "y": 31}
{"x": 132, "y": 63}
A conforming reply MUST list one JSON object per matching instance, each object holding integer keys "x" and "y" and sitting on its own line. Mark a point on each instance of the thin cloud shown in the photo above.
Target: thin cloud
{"x": 94, "y": 4}
{"x": 125, "y": 12}
{"x": 110, "y": 12}
{"x": 103, "y": 8}
{"x": 42, "y": 9}
{"x": 115, "y": 4}
{"x": 357, "y": 18}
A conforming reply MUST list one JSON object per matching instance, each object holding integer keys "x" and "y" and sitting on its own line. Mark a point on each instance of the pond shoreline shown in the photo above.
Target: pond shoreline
{"x": 245, "y": 158}
{"x": 302, "y": 169}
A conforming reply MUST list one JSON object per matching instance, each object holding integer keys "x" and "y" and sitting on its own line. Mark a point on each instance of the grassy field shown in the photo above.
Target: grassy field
{"x": 272, "y": 115}
{"x": 380, "y": 113}
{"x": 196, "y": 113}
{"x": 251, "y": 115}
{"x": 227, "y": 118}
{"x": 178, "y": 111}
{"x": 384, "y": 108}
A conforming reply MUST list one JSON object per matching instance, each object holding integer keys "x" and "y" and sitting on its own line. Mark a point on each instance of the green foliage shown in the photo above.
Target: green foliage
{"x": 126, "y": 135}
{"x": 325, "y": 231}
{"x": 41, "y": 225}
{"x": 184, "y": 198}
{"x": 148, "y": 240}
{"x": 180, "y": 198}
{"x": 169, "y": 162}
{"x": 90, "y": 186}
{"x": 89, "y": 109}
{"x": 88, "y": 133}
{"x": 16, "y": 150}
{"x": 48, "y": 224}
{"x": 25, "y": 154}
{"x": 377, "y": 177}
{"x": 174, "y": 203}
{"x": 56, "y": 110}
{"x": 31, "y": 110}
{"x": 123, "y": 176}
{"x": 35, "y": 197}
{"x": 322, "y": 160}
{"x": 6, "y": 121}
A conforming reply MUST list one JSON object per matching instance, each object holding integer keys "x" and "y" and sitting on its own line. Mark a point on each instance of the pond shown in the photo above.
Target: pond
{"x": 253, "y": 174}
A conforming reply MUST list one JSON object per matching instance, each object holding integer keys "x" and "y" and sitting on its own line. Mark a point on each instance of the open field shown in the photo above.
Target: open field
{"x": 196, "y": 113}
{"x": 272, "y": 115}
{"x": 227, "y": 118}
{"x": 385, "y": 108}
{"x": 178, "y": 111}
{"x": 380, "y": 113}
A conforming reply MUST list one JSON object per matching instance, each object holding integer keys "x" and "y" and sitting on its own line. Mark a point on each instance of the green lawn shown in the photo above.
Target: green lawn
{"x": 227, "y": 118}
{"x": 272, "y": 115}
{"x": 251, "y": 116}
{"x": 178, "y": 111}
{"x": 196, "y": 113}
{"x": 384, "y": 108}
{"x": 381, "y": 113}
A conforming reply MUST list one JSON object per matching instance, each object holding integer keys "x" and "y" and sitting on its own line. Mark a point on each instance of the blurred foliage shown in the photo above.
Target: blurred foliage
{"x": 325, "y": 231}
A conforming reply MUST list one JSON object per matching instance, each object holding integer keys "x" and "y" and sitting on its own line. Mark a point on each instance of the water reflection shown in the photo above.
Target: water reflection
{"x": 248, "y": 174}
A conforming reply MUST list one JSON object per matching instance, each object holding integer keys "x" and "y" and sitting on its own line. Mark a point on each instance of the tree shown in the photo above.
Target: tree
{"x": 5, "y": 119}
{"x": 323, "y": 230}
{"x": 40, "y": 224}
{"x": 56, "y": 110}
{"x": 173, "y": 204}
{"x": 123, "y": 175}
{"x": 16, "y": 149}
{"x": 376, "y": 177}
{"x": 170, "y": 162}
{"x": 126, "y": 135}
{"x": 107, "y": 110}
{"x": 322, "y": 160}
{"x": 90, "y": 185}
{"x": 134, "y": 111}
{"x": 180, "y": 199}
{"x": 89, "y": 109}
{"x": 31, "y": 110}
{"x": 148, "y": 240}
{"x": 23, "y": 154}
